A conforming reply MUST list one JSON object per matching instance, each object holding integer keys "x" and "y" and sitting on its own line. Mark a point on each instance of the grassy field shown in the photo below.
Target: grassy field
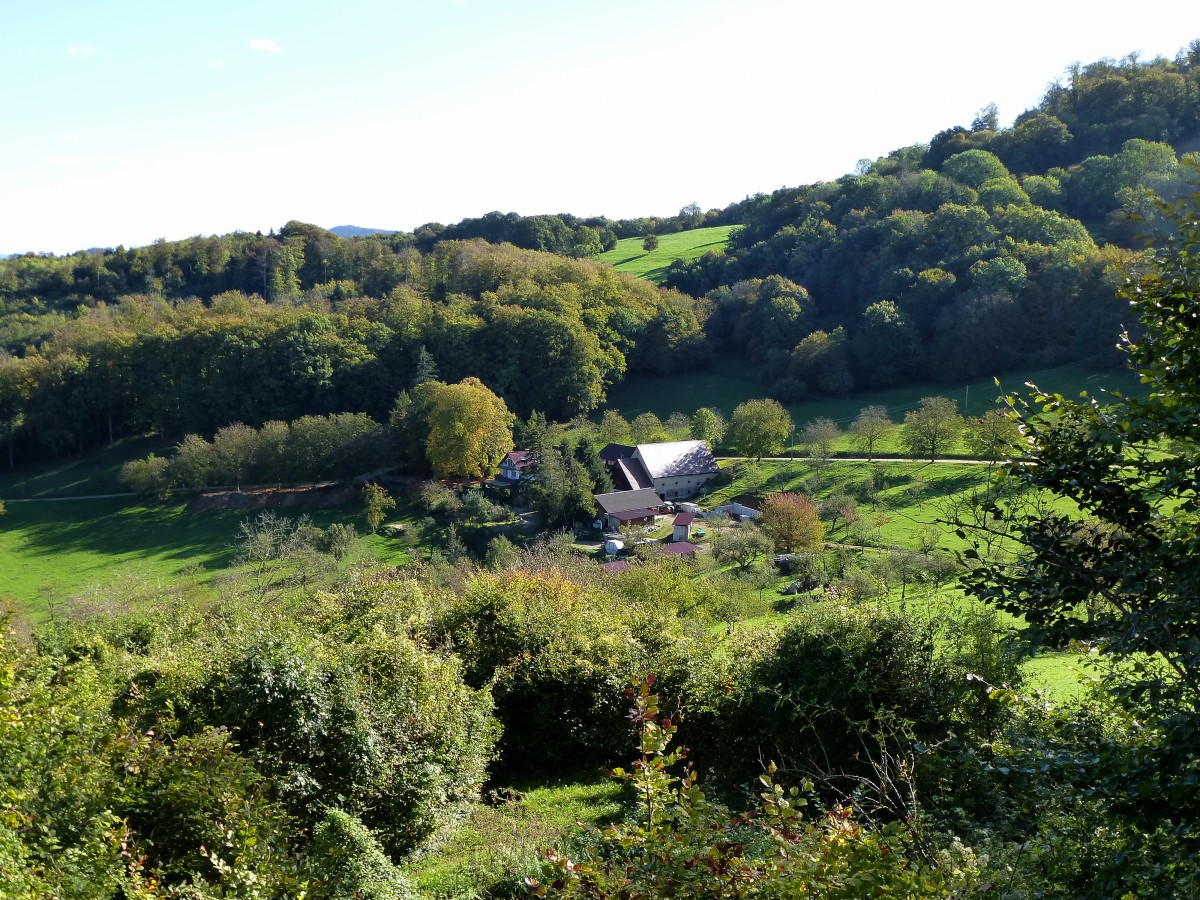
{"x": 501, "y": 841}
{"x": 52, "y": 549}
{"x": 725, "y": 385}
{"x": 76, "y": 476}
{"x": 628, "y": 255}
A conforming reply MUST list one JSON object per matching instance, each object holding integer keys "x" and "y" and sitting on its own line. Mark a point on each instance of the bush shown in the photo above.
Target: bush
{"x": 813, "y": 698}
{"x": 555, "y": 652}
{"x": 374, "y": 726}
{"x": 347, "y": 862}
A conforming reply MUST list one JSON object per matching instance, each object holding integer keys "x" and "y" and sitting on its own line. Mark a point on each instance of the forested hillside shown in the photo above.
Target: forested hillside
{"x": 986, "y": 248}
{"x": 343, "y": 329}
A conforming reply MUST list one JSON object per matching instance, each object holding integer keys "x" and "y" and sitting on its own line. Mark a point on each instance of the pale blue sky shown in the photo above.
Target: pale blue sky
{"x": 130, "y": 120}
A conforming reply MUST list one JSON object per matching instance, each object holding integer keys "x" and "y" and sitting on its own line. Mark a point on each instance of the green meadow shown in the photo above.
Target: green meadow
{"x": 725, "y": 384}
{"x": 52, "y": 549}
{"x": 628, "y": 255}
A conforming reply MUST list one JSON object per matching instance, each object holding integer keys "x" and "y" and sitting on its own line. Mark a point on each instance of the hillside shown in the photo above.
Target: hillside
{"x": 629, "y": 255}
{"x": 358, "y": 231}
{"x": 984, "y": 250}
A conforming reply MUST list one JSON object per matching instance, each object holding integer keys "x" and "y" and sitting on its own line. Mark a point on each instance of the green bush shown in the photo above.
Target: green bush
{"x": 817, "y": 696}
{"x": 348, "y": 864}
{"x": 555, "y": 652}
{"x": 374, "y": 726}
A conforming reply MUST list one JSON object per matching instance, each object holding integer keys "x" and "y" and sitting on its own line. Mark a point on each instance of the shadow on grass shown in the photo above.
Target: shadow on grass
{"x": 126, "y": 531}
{"x": 94, "y": 473}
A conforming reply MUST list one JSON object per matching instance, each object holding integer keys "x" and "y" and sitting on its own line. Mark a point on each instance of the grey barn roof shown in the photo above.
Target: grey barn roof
{"x": 674, "y": 459}
{"x": 624, "y": 501}
{"x": 634, "y": 474}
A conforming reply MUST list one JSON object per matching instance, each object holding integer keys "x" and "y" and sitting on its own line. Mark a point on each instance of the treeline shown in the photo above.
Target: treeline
{"x": 566, "y": 234}
{"x": 541, "y": 331}
{"x": 298, "y": 261}
{"x": 311, "y": 448}
{"x": 988, "y": 248}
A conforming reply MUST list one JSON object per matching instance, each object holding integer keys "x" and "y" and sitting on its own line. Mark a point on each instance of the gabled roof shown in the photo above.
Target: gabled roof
{"x": 633, "y": 515}
{"x": 625, "y": 501}
{"x": 677, "y": 458}
{"x": 679, "y": 548}
{"x": 612, "y": 452}
{"x": 684, "y": 518}
{"x": 519, "y": 458}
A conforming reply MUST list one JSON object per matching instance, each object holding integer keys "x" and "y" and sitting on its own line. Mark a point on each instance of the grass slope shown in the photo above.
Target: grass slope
{"x": 49, "y": 550}
{"x": 726, "y": 384}
{"x": 77, "y": 476}
{"x": 628, "y": 255}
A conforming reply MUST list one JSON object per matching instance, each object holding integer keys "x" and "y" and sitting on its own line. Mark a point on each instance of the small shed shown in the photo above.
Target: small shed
{"x": 682, "y": 526}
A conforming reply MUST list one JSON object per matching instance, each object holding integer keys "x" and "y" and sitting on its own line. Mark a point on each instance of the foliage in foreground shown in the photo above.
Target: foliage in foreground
{"x": 682, "y": 843}
{"x": 1124, "y": 576}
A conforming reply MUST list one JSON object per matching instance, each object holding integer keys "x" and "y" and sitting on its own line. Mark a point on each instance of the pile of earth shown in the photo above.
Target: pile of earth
{"x": 320, "y": 495}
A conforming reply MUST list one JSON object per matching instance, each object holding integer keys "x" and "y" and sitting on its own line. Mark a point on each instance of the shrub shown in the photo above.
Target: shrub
{"x": 555, "y": 651}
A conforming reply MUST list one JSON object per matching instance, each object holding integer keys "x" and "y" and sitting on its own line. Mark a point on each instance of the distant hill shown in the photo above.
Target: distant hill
{"x": 358, "y": 231}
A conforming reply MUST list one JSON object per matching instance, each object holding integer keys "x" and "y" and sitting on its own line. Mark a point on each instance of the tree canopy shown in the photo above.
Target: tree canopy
{"x": 759, "y": 428}
{"x": 470, "y": 430}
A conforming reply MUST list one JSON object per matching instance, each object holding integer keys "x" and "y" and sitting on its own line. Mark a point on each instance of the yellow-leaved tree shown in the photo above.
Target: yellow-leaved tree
{"x": 470, "y": 430}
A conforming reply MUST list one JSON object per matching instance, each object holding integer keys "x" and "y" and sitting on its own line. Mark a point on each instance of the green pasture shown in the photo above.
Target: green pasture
{"x": 51, "y": 549}
{"x": 628, "y": 255}
{"x": 93, "y": 473}
{"x": 727, "y": 383}
{"x": 896, "y": 500}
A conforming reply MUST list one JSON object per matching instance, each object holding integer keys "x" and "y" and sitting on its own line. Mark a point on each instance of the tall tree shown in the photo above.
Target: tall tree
{"x": 708, "y": 425}
{"x": 470, "y": 430}
{"x": 819, "y": 436}
{"x": 647, "y": 428}
{"x": 614, "y": 428}
{"x": 933, "y": 427}
{"x": 759, "y": 428}
{"x": 994, "y": 435}
{"x": 791, "y": 521}
{"x": 870, "y": 426}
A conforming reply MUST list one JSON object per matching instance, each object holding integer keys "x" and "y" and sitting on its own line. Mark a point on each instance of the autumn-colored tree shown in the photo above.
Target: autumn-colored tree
{"x": 792, "y": 522}
{"x": 470, "y": 429}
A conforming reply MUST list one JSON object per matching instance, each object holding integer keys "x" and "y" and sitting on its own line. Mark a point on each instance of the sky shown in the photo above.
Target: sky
{"x": 132, "y": 120}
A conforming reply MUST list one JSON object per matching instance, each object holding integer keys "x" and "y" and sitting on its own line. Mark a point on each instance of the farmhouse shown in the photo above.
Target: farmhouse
{"x": 675, "y": 469}
{"x": 514, "y": 465}
{"x": 628, "y": 507}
